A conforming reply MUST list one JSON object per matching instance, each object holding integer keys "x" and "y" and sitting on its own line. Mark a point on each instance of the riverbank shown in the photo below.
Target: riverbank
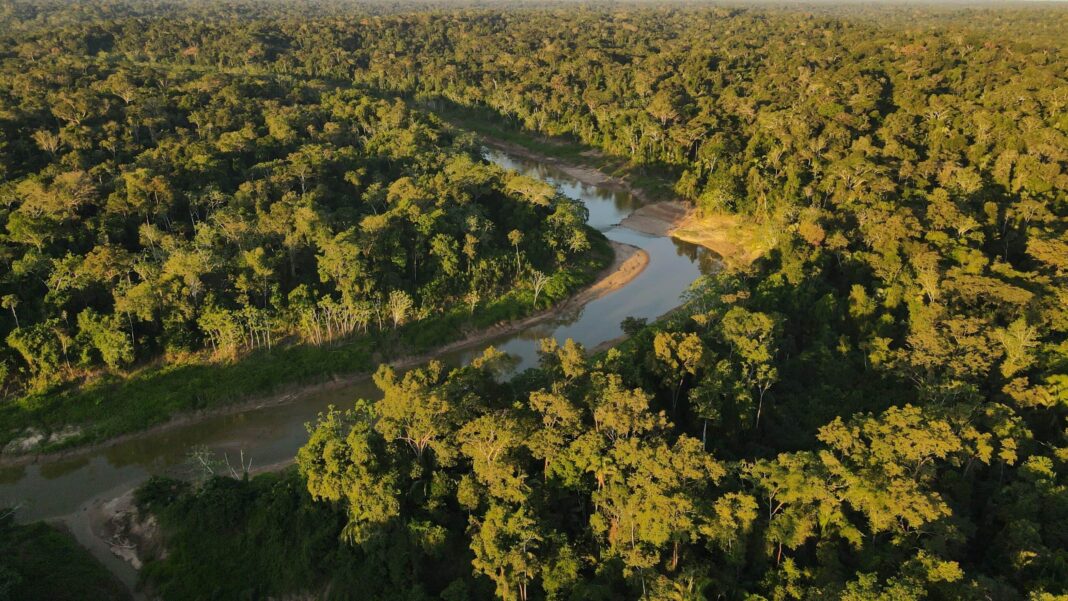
{"x": 739, "y": 243}
{"x": 736, "y": 241}
{"x": 115, "y": 525}
{"x": 273, "y": 434}
{"x": 648, "y": 183}
{"x": 577, "y": 169}
{"x": 628, "y": 263}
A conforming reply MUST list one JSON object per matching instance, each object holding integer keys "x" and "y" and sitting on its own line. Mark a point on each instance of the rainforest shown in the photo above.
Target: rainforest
{"x": 533, "y": 300}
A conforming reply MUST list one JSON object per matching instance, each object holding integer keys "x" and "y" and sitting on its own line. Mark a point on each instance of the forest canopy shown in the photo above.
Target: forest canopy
{"x": 874, "y": 410}
{"x": 151, "y": 210}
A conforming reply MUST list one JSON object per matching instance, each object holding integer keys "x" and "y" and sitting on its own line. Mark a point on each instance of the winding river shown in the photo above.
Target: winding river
{"x": 64, "y": 489}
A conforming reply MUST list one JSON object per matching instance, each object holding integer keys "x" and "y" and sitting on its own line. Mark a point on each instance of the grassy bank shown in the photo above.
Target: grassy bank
{"x": 111, "y": 405}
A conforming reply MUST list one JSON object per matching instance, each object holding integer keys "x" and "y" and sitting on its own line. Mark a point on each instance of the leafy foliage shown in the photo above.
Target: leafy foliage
{"x": 42, "y": 563}
{"x": 875, "y": 410}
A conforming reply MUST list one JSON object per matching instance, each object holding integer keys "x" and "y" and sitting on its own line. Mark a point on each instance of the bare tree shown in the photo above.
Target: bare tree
{"x": 399, "y": 304}
{"x": 472, "y": 299}
{"x": 538, "y": 280}
{"x": 203, "y": 463}
{"x": 245, "y": 468}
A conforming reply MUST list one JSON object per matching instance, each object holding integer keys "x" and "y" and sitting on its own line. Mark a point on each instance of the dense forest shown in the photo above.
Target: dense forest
{"x": 152, "y": 213}
{"x": 874, "y": 410}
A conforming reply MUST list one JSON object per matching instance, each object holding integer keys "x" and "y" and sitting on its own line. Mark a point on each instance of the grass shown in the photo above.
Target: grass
{"x": 42, "y": 563}
{"x": 111, "y": 405}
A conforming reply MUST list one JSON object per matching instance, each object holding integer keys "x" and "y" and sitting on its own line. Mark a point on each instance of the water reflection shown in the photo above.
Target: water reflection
{"x": 58, "y": 469}
{"x": 607, "y": 206}
{"x": 9, "y": 475}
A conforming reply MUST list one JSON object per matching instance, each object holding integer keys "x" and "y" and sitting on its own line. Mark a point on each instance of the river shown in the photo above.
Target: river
{"x": 64, "y": 489}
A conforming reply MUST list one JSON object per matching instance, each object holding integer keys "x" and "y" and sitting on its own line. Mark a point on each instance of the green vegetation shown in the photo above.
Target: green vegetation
{"x": 572, "y": 482}
{"x": 654, "y": 182}
{"x": 111, "y": 405}
{"x": 180, "y": 238}
{"x": 245, "y": 539}
{"x": 41, "y": 563}
{"x": 876, "y": 409}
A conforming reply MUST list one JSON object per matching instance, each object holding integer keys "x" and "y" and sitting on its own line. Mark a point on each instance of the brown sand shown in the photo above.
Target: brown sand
{"x": 729, "y": 236}
{"x": 658, "y": 218}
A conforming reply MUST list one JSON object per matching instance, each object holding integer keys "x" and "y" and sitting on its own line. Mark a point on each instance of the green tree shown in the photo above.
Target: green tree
{"x": 677, "y": 355}
{"x": 342, "y": 464}
{"x": 106, "y": 334}
{"x": 753, "y": 337}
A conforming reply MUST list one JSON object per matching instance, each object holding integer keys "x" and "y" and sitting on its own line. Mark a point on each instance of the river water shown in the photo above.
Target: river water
{"x": 65, "y": 488}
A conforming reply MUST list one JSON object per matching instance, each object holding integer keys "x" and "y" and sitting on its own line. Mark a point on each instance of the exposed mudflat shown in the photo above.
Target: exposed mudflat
{"x": 119, "y": 527}
{"x": 739, "y": 243}
{"x": 658, "y": 218}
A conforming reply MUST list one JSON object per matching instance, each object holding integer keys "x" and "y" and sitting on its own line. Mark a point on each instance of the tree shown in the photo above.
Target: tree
{"x": 720, "y": 399}
{"x": 47, "y": 141}
{"x": 505, "y": 543}
{"x": 41, "y": 348}
{"x": 881, "y": 468}
{"x": 561, "y": 424}
{"x": 399, "y": 305}
{"x": 1018, "y": 339}
{"x": 677, "y": 355}
{"x": 649, "y": 501}
{"x": 887, "y": 464}
{"x": 753, "y": 336}
{"x": 515, "y": 238}
{"x": 10, "y": 302}
{"x": 538, "y": 280}
{"x": 632, "y": 325}
{"x": 415, "y": 410}
{"x": 345, "y": 467}
{"x": 107, "y": 335}
{"x": 490, "y": 442}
